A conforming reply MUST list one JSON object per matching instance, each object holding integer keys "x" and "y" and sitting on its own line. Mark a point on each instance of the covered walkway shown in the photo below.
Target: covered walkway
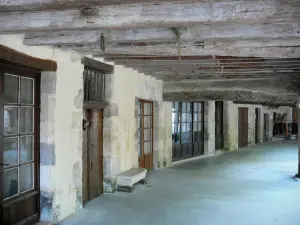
{"x": 250, "y": 186}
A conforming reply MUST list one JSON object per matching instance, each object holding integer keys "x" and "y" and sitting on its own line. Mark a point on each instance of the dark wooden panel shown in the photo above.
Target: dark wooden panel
{"x": 176, "y": 150}
{"x": 256, "y": 125}
{"x": 22, "y": 208}
{"x": 243, "y": 127}
{"x": 219, "y": 140}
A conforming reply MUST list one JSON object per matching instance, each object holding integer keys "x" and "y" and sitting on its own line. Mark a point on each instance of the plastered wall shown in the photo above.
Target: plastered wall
{"x": 124, "y": 89}
{"x": 60, "y": 130}
{"x": 231, "y": 123}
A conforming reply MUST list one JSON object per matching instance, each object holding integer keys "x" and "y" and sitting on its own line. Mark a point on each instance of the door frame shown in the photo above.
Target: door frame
{"x": 22, "y": 71}
{"x": 142, "y": 156}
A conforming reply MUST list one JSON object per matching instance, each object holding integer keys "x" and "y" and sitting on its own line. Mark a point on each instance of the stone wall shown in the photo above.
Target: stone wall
{"x": 231, "y": 123}
{"x": 209, "y": 128}
{"x": 124, "y": 89}
{"x": 60, "y": 130}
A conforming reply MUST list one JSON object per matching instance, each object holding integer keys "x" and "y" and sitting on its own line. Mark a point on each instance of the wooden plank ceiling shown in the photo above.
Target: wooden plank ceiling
{"x": 202, "y": 49}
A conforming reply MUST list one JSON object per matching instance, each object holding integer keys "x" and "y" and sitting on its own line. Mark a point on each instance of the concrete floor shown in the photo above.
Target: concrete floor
{"x": 247, "y": 187}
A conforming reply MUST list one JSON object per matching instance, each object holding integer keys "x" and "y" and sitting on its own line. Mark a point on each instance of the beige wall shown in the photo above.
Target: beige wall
{"x": 231, "y": 122}
{"x": 61, "y": 128}
{"x": 124, "y": 88}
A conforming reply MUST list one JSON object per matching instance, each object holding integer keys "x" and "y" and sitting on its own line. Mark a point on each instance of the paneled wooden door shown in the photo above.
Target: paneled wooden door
{"x": 219, "y": 143}
{"x": 243, "y": 127}
{"x": 19, "y": 145}
{"x": 256, "y": 125}
{"x": 145, "y": 134}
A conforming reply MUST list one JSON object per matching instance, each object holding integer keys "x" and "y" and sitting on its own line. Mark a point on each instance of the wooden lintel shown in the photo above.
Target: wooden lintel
{"x": 95, "y": 105}
{"x": 109, "y": 69}
{"x": 20, "y": 58}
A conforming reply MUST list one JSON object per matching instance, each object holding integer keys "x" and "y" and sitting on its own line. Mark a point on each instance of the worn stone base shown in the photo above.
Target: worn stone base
{"x": 109, "y": 185}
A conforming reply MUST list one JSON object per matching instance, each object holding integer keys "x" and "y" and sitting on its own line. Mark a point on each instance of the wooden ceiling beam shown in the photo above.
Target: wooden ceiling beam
{"x": 162, "y": 15}
{"x": 42, "y": 5}
{"x": 271, "y": 52}
{"x": 230, "y": 35}
{"x": 205, "y": 63}
{"x": 230, "y": 95}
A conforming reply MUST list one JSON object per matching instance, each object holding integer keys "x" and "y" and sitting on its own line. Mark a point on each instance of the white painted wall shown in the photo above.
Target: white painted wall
{"x": 63, "y": 129}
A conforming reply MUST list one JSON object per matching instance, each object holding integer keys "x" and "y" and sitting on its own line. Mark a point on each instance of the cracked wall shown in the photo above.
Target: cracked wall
{"x": 60, "y": 130}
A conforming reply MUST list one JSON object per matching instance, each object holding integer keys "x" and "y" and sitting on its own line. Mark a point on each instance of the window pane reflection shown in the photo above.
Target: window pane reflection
{"x": 10, "y": 185}
{"x": 26, "y": 149}
{"x": 11, "y": 151}
{"x": 10, "y": 120}
{"x": 26, "y": 90}
{"x": 11, "y": 89}
{"x": 26, "y": 120}
{"x": 26, "y": 177}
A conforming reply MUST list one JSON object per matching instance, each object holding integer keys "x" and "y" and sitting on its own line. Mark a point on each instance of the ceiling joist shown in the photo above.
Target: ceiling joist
{"x": 162, "y": 15}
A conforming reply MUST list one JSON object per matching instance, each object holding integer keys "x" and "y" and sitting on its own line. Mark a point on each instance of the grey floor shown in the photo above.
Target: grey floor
{"x": 247, "y": 187}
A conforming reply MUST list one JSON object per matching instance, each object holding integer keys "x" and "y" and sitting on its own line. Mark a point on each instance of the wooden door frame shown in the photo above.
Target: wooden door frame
{"x": 143, "y": 101}
{"x": 22, "y": 71}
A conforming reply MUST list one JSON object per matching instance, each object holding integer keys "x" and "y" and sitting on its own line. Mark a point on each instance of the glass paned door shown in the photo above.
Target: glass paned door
{"x": 145, "y": 134}
{"x": 18, "y": 135}
{"x": 19, "y": 169}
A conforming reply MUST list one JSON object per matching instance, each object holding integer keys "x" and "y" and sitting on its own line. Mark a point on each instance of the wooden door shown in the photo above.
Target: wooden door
{"x": 266, "y": 126}
{"x": 243, "y": 127}
{"x": 19, "y": 145}
{"x": 256, "y": 125}
{"x": 146, "y": 134}
{"x": 219, "y": 125}
{"x": 93, "y": 157}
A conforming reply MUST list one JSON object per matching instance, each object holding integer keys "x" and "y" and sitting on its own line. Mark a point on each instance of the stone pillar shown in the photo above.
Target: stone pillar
{"x": 260, "y": 125}
{"x": 209, "y": 128}
{"x": 47, "y": 143}
{"x": 230, "y": 125}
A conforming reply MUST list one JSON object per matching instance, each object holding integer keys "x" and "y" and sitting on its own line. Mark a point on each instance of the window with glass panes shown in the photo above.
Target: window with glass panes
{"x": 19, "y": 107}
{"x": 197, "y": 120}
{"x": 175, "y": 123}
{"x": 145, "y": 126}
{"x": 187, "y": 122}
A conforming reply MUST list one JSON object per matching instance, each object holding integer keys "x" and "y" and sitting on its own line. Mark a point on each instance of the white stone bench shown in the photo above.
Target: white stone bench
{"x": 128, "y": 178}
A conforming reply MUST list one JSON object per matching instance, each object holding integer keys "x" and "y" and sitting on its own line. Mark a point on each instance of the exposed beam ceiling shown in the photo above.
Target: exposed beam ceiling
{"x": 162, "y": 15}
{"x": 201, "y": 49}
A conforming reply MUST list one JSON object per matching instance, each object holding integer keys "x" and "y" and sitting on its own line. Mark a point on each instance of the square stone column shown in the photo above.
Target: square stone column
{"x": 230, "y": 122}
{"x": 209, "y": 128}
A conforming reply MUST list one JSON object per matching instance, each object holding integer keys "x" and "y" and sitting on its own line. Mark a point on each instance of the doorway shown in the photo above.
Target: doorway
{"x": 93, "y": 155}
{"x": 145, "y": 126}
{"x": 256, "y": 125}
{"x": 219, "y": 144}
{"x": 243, "y": 127}
{"x": 19, "y": 144}
{"x": 266, "y": 126}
